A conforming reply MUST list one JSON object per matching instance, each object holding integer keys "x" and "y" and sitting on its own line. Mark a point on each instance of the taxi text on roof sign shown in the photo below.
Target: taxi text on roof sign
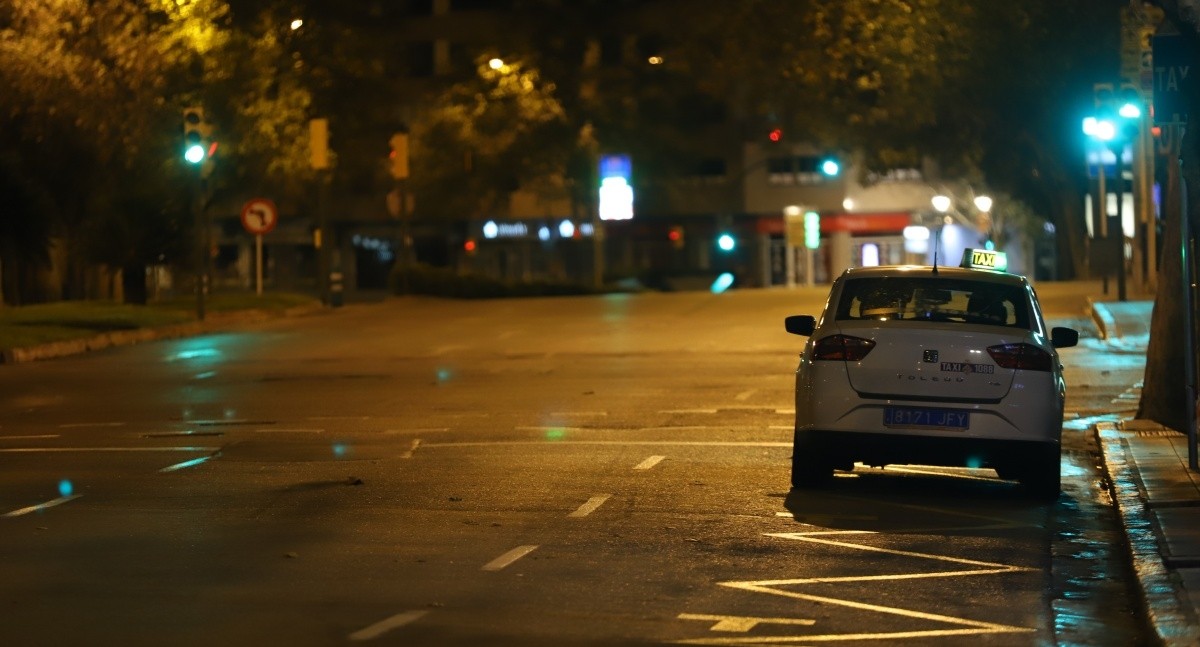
{"x": 984, "y": 259}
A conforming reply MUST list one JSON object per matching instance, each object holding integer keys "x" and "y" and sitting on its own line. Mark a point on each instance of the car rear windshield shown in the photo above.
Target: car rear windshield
{"x": 933, "y": 299}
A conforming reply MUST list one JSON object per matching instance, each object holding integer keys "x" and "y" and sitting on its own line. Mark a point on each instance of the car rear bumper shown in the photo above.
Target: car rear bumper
{"x": 842, "y": 449}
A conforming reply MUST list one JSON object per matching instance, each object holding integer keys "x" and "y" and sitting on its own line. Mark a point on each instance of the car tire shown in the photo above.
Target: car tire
{"x": 809, "y": 467}
{"x": 1042, "y": 477}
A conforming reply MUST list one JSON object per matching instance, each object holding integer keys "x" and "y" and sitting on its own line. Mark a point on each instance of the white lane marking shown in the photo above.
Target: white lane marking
{"x": 289, "y": 431}
{"x": 42, "y": 436}
{"x": 449, "y": 348}
{"x": 589, "y": 507}
{"x": 549, "y": 428}
{"x": 626, "y": 443}
{"x": 578, "y": 413}
{"x": 649, "y": 462}
{"x": 186, "y": 464}
{"x": 743, "y": 624}
{"x": 383, "y": 626}
{"x": 42, "y": 506}
{"x": 74, "y": 425}
{"x": 687, "y": 411}
{"x": 509, "y": 557}
{"x": 745, "y": 395}
{"x": 415, "y": 444}
{"x": 422, "y": 430}
{"x": 54, "y": 450}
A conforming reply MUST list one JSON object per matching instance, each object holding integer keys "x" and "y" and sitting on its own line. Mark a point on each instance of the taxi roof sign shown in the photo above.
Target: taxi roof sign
{"x": 984, "y": 259}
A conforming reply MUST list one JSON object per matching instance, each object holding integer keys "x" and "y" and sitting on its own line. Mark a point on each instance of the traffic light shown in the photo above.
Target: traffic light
{"x": 726, "y": 242}
{"x": 830, "y": 167}
{"x": 1129, "y": 102}
{"x": 676, "y": 237}
{"x": 469, "y": 246}
{"x": 776, "y": 135}
{"x": 195, "y": 135}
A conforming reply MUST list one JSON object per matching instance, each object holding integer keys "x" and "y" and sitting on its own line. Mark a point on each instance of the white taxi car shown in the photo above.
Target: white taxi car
{"x": 950, "y": 366}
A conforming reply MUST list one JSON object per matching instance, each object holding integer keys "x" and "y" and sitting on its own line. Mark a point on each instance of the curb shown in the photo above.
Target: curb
{"x": 1160, "y": 596}
{"x": 140, "y": 335}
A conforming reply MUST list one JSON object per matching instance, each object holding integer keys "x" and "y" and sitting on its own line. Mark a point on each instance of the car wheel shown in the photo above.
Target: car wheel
{"x": 809, "y": 468}
{"x": 1042, "y": 478}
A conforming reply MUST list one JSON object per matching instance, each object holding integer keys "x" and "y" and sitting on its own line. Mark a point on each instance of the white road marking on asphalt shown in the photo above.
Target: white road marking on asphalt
{"x": 383, "y": 626}
{"x": 589, "y": 507}
{"x": 782, "y": 427}
{"x": 743, "y": 624}
{"x": 42, "y": 506}
{"x": 186, "y": 464}
{"x": 289, "y": 431}
{"x": 423, "y": 430}
{"x": 74, "y": 425}
{"x": 785, "y": 588}
{"x": 53, "y": 450}
{"x": 415, "y": 444}
{"x": 745, "y": 395}
{"x": 687, "y": 411}
{"x": 579, "y": 413}
{"x": 29, "y": 437}
{"x": 450, "y": 348}
{"x": 648, "y": 463}
{"x": 909, "y": 470}
{"x": 623, "y": 443}
{"x": 548, "y": 428}
{"x": 509, "y": 557}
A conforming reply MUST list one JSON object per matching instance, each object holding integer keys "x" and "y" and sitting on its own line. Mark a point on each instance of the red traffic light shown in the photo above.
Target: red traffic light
{"x": 469, "y": 246}
{"x": 775, "y": 135}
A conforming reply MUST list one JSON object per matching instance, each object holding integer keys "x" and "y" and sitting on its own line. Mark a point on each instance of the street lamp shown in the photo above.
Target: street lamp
{"x": 984, "y": 204}
{"x": 941, "y": 203}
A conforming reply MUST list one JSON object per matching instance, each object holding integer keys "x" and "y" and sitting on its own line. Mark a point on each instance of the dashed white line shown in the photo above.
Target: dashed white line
{"x": 649, "y": 462}
{"x": 186, "y": 464}
{"x": 383, "y": 626}
{"x": 589, "y": 507}
{"x": 415, "y": 444}
{"x": 42, "y": 506}
{"x": 508, "y": 558}
{"x": 289, "y": 431}
{"x": 40, "y": 437}
{"x": 745, "y": 395}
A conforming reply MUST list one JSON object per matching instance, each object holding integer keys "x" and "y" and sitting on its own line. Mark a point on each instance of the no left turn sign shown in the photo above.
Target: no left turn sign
{"x": 259, "y": 216}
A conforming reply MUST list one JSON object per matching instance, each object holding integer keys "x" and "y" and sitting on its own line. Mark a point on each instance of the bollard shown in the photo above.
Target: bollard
{"x": 335, "y": 289}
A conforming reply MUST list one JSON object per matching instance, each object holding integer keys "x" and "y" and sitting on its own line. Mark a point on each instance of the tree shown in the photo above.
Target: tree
{"x": 483, "y": 138}
{"x": 1163, "y": 396}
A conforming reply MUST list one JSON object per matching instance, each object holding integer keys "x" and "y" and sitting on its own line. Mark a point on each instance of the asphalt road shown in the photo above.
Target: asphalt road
{"x": 584, "y": 471}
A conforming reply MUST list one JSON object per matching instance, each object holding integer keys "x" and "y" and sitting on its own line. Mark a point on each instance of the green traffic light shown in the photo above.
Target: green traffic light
{"x": 726, "y": 242}
{"x": 830, "y": 167}
{"x": 194, "y": 154}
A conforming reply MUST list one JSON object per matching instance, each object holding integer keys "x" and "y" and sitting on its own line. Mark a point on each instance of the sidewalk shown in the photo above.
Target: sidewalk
{"x": 1158, "y": 498}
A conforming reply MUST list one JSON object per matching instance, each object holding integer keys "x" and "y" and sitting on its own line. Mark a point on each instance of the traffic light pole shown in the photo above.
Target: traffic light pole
{"x": 202, "y": 242}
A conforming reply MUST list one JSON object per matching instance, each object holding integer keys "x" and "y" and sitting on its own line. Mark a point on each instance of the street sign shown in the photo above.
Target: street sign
{"x": 259, "y": 216}
{"x": 1172, "y": 73}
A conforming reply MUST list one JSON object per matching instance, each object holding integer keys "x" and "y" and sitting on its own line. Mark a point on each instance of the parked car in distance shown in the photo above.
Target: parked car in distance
{"x": 948, "y": 366}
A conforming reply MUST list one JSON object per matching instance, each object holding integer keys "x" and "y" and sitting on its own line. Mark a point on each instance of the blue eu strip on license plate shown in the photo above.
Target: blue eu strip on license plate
{"x": 926, "y": 417}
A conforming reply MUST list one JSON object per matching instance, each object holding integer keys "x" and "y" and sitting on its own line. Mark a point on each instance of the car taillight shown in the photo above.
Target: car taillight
{"x": 843, "y": 347}
{"x": 1023, "y": 357}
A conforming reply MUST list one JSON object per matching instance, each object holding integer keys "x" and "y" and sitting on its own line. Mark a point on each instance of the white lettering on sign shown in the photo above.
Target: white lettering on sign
{"x": 1169, "y": 79}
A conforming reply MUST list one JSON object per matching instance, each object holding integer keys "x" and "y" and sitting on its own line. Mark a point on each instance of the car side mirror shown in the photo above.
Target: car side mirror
{"x": 800, "y": 324}
{"x": 1063, "y": 337}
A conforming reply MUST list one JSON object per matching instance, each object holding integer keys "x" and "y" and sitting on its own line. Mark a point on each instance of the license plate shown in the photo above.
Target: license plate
{"x": 928, "y": 418}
